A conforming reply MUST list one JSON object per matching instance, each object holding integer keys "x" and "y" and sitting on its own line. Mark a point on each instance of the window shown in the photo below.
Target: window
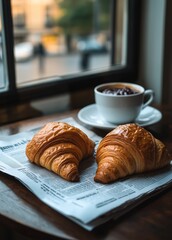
{"x": 56, "y": 46}
{"x": 3, "y": 78}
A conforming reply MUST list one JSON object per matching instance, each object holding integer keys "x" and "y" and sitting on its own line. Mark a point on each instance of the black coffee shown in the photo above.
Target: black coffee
{"x": 119, "y": 91}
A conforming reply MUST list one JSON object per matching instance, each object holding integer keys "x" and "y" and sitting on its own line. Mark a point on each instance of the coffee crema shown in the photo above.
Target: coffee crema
{"x": 119, "y": 91}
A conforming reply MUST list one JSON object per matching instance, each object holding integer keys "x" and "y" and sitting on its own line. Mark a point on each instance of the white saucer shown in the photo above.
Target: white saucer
{"x": 90, "y": 116}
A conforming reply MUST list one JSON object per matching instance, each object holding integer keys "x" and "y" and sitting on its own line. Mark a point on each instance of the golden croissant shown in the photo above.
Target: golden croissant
{"x": 60, "y": 147}
{"x": 127, "y": 150}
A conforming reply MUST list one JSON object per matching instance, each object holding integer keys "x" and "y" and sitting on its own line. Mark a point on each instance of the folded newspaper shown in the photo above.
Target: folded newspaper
{"x": 87, "y": 203}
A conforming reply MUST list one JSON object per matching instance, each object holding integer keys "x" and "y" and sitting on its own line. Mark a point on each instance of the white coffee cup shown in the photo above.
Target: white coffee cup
{"x": 120, "y": 109}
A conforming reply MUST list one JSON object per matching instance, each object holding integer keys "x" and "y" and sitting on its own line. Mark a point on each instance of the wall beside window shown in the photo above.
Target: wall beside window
{"x": 152, "y": 46}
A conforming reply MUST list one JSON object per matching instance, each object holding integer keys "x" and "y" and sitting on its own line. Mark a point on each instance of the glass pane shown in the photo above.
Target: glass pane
{"x": 3, "y": 79}
{"x": 59, "y": 37}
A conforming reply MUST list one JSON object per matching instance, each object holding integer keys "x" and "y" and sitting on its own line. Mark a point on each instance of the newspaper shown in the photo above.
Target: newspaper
{"x": 86, "y": 202}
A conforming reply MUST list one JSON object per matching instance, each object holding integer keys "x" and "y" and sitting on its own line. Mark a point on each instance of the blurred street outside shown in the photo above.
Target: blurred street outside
{"x": 51, "y": 66}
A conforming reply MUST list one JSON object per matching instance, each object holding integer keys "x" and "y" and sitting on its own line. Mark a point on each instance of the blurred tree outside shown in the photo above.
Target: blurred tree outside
{"x": 82, "y": 18}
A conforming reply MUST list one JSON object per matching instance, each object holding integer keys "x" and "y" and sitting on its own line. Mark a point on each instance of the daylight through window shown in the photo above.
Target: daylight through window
{"x": 58, "y": 37}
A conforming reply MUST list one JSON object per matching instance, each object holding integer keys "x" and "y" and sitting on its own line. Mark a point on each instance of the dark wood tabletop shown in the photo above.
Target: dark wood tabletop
{"x": 24, "y": 213}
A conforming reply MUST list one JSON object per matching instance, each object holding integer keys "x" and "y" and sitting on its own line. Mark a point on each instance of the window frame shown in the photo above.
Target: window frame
{"x": 72, "y": 83}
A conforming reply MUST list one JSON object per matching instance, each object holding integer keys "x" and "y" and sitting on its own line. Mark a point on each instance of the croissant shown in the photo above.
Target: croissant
{"x": 126, "y": 150}
{"x": 60, "y": 147}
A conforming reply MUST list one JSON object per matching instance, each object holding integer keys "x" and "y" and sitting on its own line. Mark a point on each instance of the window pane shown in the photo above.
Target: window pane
{"x": 58, "y": 37}
{"x": 3, "y": 79}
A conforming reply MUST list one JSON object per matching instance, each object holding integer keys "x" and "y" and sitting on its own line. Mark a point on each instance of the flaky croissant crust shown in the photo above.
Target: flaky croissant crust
{"x": 60, "y": 147}
{"x": 126, "y": 150}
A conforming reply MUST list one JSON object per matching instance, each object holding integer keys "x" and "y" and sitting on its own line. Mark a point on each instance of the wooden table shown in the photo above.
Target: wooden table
{"x": 22, "y": 212}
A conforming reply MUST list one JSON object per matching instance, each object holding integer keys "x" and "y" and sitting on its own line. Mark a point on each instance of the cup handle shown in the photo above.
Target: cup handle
{"x": 149, "y": 94}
